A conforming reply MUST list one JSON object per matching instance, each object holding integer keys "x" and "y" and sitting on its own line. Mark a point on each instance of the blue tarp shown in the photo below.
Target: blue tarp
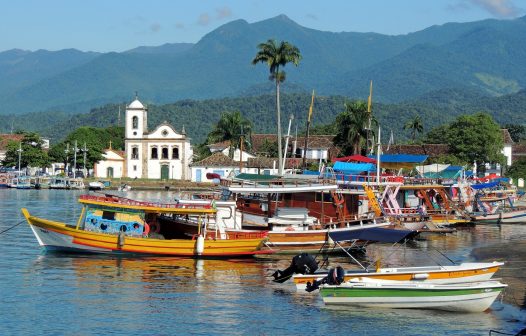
{"x": 380, "y": 235}
{"x": 353, "y": 168}
{"x": 400, "y": 158}
{"x": 485, "y": 185}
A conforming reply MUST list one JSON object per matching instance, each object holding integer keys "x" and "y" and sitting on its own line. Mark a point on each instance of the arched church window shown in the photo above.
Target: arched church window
{"x": 154, "y": 153}
{"x": 135, "y": 153}
{"x": 135, "y": 122}
{"x": 164, "y": 153}
{"x": 175, "y": 153}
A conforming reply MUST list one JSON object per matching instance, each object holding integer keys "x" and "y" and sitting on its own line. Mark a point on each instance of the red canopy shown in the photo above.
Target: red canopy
{"x": 355, "y": 158}
{"x": 487, "y": 178}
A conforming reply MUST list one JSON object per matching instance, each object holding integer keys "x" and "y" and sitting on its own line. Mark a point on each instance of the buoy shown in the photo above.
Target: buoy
{"x": 200, "y": 245}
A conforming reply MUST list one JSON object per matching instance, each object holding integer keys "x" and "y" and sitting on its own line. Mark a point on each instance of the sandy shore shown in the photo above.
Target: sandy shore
{"x": 513, "y": 273}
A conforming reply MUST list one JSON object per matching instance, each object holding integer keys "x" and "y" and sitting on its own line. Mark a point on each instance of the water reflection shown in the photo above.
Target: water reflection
{"x": 82, "y": 294}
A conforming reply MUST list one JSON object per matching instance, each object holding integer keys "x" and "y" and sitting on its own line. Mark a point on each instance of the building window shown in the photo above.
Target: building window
{"x": 134, "y": 168}
{"x": 175, "y": 153}
{"x": 164, "y": 153}
{"x": 135, "y": 122}
{"x": 135, "y": 153}
{"x": 154, "y": 153}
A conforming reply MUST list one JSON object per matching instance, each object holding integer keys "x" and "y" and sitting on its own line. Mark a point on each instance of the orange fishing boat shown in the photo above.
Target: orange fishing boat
{"x": 122, "y": 226}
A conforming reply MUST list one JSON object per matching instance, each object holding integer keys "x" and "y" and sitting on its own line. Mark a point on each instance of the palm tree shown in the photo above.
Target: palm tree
{"x": 231, "y": 127}
{"x": 351, "y": 127}
{"x": 415, "y": 125}
{"x": 277, "y": 55}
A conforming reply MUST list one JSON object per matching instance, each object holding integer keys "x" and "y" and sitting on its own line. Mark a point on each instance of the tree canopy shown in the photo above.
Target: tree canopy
{"x": 471, "y": 138}
{"x": 232, "y": 127}
{"x": 32, "y": 155}
{"x": 351, "y": 127}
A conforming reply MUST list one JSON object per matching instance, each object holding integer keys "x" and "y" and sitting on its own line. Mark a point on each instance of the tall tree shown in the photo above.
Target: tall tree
{"x": 351, "y": 127}
{"x": 517, "y": 132}
{"x": 277, "y": 55}
{"x": 231, "y": 127}
{"x": 415, "y": 125}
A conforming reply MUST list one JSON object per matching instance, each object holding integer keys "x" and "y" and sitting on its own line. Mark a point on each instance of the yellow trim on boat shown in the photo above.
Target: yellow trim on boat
{"x": 176, "y": 210}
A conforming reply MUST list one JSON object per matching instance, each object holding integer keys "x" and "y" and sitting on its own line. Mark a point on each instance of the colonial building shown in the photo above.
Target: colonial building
{"x": 163, "y": 153}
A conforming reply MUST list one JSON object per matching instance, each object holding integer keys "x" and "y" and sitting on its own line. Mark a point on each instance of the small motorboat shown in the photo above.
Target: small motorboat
{"x": 96, "y": 185}
{"x": 464, "y": 297}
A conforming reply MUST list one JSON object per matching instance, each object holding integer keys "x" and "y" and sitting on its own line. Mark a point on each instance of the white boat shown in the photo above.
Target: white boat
{"x": 505, "y": 215}
{"x": 96, "y": 185}
{"x": 464, "y": 297}
{"x": 437, "y": 274}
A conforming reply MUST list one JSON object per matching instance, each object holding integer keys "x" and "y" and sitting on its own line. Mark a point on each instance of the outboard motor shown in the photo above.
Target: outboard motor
{"x": 335, "y": 277}
{"x": 303, "y": 263}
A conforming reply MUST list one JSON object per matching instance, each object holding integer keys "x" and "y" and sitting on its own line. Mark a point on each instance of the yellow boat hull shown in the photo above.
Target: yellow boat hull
{"x": 60, "y": 236}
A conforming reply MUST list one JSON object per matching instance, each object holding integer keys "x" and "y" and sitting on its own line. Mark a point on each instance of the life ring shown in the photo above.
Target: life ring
{"x": 146, "y": 230}
{"x": 360, "y": 203}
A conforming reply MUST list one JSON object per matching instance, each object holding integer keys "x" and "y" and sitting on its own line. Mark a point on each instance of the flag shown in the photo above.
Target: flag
{"x": 391, "y": 141}
{"x": 311, "y": 106}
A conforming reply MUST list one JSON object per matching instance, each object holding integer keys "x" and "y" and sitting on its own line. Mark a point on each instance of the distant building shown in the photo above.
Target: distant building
{"x": 163, "y": 153}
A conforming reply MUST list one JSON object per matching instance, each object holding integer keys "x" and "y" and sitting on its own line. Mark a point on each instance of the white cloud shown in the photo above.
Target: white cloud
{"x": 500, "y": 8}
{"x": 203, "y": 20}
{"x": 223, "y": 13}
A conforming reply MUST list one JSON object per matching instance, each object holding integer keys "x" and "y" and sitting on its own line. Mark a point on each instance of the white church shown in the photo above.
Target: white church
{"x": 162, "y": 153}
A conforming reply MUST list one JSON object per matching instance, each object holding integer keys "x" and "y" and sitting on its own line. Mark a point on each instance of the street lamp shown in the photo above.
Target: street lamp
{"x": 85, "y": 150}
{"x": 75, "y": 150}
{"x": 67, "y": 159}
{"x": 19, "y": 150}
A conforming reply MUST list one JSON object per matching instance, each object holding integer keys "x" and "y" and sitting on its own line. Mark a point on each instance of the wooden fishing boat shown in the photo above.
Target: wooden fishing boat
{"x": 123, "y": 226}
{"x": 503, "y": 215}
{"x": 297, "y": 214}
{"x": 464, "y": 297}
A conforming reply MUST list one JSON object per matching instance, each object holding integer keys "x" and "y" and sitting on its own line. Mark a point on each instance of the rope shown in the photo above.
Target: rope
{"x": 17, "y": 224}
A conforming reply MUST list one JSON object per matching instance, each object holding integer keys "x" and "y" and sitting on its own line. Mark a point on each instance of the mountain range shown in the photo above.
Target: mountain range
{"x": 484, "y": 58}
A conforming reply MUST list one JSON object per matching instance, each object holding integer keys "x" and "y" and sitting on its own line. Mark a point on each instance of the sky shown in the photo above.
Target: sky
{"x": 119, "y": 25}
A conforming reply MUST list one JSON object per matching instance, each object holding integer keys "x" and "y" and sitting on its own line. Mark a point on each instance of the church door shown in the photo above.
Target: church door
{"x": 109, "y": 172}
{"x": 165, "y": 172}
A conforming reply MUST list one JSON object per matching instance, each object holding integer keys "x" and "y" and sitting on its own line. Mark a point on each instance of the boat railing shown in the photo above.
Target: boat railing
{"x": 280, "y": 183}
{"x": 126, "y": 201}
{"x": 341, "y": 178}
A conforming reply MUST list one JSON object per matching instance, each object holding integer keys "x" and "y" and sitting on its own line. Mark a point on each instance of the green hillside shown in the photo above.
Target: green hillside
{"x": 487, "y": 56}
{"x": 199, "y": 116}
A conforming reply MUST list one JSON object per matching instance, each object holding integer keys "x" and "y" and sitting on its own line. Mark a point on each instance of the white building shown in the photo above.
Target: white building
{"x": 113, "y": 165}
{"x": 163, "y": 153}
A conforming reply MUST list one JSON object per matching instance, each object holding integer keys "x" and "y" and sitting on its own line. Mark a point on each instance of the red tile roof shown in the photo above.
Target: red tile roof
{"x": 6, "y": 138}
{"x": 216, "y": 160}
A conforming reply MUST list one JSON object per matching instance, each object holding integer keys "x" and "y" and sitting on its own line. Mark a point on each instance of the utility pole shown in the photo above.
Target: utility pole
{"x": 19, "y": 150}
{"x": 75, "y": 160}
{"x": 67, "y": 159}
{"x": 85, "y": 151}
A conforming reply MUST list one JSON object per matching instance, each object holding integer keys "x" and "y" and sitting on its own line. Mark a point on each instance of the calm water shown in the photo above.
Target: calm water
{"x": 52, "y": 294}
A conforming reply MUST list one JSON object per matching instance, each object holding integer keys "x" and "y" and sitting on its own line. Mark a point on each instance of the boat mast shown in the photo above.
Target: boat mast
{"x": 307, "y": 132}
{"x": 287, "y": 141}
{"x": 370, "y": 139}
